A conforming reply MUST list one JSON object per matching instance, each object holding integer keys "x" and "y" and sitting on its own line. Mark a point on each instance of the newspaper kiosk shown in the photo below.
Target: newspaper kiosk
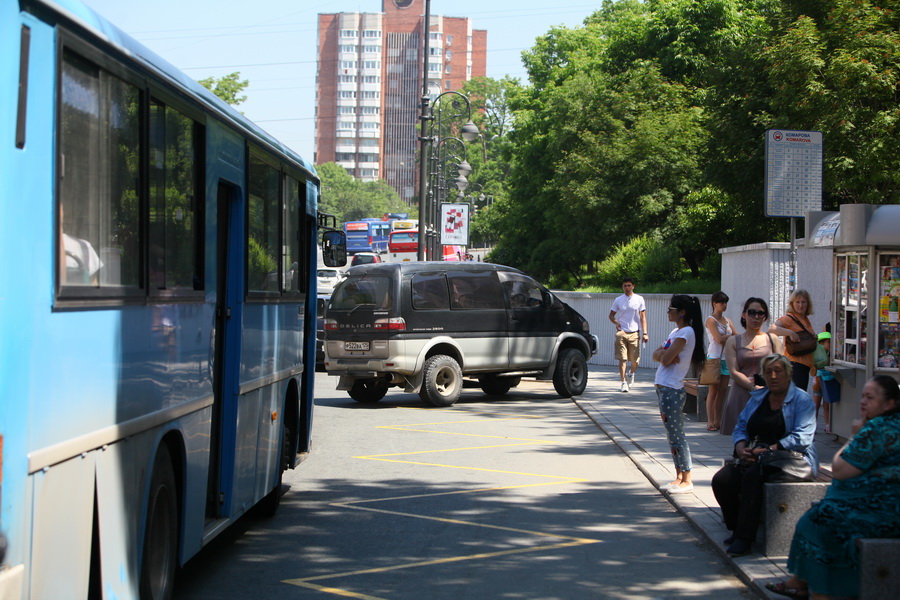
{"x": 864, "y": 307}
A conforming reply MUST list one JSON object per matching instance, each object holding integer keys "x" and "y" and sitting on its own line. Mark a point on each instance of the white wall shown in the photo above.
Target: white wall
{"x": 760, "y": 270}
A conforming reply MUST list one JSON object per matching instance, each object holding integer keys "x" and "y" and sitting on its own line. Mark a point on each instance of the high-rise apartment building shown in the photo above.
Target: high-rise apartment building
{"x": 369, "y": 85}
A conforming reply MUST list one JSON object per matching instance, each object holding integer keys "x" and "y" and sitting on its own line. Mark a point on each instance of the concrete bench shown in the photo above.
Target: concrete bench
{"x": 783, "y": 505}
{"x": 695, "y": 401}
{"x": 879, "y": 573}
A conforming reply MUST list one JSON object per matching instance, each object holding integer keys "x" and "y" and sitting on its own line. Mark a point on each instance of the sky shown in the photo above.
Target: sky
{"x": 273, "y": 44}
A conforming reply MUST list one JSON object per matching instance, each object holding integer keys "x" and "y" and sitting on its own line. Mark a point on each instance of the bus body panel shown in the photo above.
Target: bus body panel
{"x": 92, "y": 389}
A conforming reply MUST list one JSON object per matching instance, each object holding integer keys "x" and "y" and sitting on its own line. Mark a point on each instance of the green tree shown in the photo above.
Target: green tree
{"x": 228, "y": 87}
{"x": 350, "y": 199}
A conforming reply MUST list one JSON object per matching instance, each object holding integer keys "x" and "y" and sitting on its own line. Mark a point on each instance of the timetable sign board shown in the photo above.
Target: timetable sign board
{"x": 793, "y": 172}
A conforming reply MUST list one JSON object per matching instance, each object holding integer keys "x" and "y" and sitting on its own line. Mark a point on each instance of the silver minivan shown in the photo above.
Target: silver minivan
{"x": 426, "y": 326}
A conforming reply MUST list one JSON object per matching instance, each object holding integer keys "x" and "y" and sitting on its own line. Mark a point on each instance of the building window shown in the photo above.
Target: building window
{"x": 369, "y": 94}
{"x": 434, "y": 52}
{"x": 348, "y": 48}
{"x": 372, "y": 33}
{"x": 349, "y": 64}
{"x": 447, "y": 85}
{"x": 435, "y": 36}
{"x": 348, "y": 79}
{"x": 372, "y": 64}
{"x": 447, "y": 69}
{"x": 371, "y": 110}
{"x": 372, "y": 79}
{"x": 349, "y": 33}
{"x": 345, "y": 125}
{"x": 347, "y": 110}
{"x": 371, "y": 125}
{"x": 449, "y": 39}
{"x": 434, "y": 67}
{"x": 372, "y": 49}
{"x": 347, "y": 94}
{"x": 449, "y": 55}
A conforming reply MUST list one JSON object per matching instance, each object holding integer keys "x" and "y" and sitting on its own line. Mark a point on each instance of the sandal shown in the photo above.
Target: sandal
{"x": 712, "y": 428}
{"x": 782, "y": 589}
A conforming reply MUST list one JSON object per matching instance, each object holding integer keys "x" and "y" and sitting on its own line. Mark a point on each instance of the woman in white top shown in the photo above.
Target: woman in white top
{"x": 675, "y": 356}
{"x": 718, "y": 329}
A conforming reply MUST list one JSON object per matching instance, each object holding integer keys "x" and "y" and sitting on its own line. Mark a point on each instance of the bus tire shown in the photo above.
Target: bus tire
{"x": 442, "y": 382}
{"x": 160, "y": 555}
{"x": 268, "y": 506}
{"x": 570, "y": 376}
{"x": 368, "y": 391}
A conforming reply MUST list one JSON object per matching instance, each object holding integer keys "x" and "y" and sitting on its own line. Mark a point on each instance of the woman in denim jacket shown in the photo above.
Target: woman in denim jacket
{"x": 779, "y": 416}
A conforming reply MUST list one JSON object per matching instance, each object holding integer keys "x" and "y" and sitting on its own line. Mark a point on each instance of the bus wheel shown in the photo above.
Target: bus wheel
{"x": 268, "y": 506}
{"x": 443, "y": 381}
{"x": 368, "y": 391}
{"x": 161, "y": 531}
{"x": 570, "y": 377}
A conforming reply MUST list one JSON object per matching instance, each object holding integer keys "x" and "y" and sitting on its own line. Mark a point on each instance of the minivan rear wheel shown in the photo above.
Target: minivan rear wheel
{"x": 570, "y": 376}
{"x": 368, "y": 391}
{"x": 443, "y": 381}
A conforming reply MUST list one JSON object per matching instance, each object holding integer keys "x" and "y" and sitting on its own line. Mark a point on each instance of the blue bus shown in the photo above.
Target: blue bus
{"x": 368, "y": 235}
{"x": 157, "y": 310}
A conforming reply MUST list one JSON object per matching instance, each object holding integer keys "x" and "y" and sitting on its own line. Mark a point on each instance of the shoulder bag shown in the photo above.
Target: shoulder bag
{"x": 784, "y": 466}
{"x": 712, "y": 367}
{"x": 807, "y": 343}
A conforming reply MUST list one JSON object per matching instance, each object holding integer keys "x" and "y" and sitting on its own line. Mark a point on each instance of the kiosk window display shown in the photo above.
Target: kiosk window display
{"x": 865, "y": 308}
{"x": 888, "y": 355}
{"x": 851, "y": 303}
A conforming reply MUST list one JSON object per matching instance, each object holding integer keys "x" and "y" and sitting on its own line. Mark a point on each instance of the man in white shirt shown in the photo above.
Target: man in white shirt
{"x": 629, "y": 315}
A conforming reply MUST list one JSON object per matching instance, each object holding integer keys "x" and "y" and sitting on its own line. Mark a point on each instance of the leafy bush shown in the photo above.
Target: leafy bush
{"x": 644, "y": 258}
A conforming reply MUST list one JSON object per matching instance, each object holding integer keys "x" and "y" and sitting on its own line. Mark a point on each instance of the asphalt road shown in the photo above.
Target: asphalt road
{"x": 521, "y": 498}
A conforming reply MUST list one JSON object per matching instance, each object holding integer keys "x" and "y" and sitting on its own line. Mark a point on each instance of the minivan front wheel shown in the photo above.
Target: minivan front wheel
{"x": 570, "y": 376}
{"x": 443, "y": 381}
{"x": 368, "y": 391}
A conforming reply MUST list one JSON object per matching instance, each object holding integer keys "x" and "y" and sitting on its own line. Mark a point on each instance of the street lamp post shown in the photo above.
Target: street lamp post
{"x": 447, "y": 108}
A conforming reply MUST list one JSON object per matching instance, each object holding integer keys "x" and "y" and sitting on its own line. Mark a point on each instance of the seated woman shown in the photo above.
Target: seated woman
{"x": 861, "y": 502}
{"x": 779, "y": 416}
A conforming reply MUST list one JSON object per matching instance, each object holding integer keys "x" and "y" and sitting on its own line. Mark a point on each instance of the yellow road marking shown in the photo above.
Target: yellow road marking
{"x": 439, "y": 561}
{"x": 571, "y": 541}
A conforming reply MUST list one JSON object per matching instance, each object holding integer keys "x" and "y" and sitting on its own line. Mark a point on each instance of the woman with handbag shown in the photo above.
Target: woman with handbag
{"x": 800, "y": 340}
{"x": 777, "y": 417}
{"x": 743, "y": 352}
{"x": 715, "y": 370}
{"x": 861, "y": 502}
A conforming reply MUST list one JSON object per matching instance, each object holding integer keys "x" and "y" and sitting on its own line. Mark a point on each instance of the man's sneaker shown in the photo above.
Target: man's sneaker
{"x": 631, "y": 379}
{"x": 624, "y": 387}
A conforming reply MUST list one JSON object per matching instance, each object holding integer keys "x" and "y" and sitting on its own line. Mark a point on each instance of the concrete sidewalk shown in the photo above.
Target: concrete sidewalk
{"x": 632, "y": 421}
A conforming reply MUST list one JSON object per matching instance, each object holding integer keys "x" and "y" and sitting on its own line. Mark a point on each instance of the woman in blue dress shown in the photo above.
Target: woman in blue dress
{"x": 861, "y": 502}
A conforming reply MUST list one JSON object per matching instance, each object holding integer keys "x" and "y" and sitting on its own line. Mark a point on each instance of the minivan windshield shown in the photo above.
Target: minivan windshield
{"x": 367, "y": 290}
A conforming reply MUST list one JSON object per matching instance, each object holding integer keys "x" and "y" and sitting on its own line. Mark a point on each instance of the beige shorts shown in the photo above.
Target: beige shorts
{"x": 628, "y": 346}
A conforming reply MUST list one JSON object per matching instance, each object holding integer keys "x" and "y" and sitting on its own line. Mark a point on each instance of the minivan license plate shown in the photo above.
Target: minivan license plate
{"x": 356, "y": 345}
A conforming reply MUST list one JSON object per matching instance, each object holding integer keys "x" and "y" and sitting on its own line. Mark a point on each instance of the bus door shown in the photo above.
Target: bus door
{"x": 226, "y": 364}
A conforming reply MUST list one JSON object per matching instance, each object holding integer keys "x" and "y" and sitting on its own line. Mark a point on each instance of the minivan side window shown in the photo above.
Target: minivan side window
{"x": 522, "y": 291}
{"x": 429, "y": 291}
{"x": 475, "y": 290}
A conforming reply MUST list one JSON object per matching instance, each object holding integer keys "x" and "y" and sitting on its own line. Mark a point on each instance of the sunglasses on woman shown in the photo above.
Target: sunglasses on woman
{"x": 751, "y": 312}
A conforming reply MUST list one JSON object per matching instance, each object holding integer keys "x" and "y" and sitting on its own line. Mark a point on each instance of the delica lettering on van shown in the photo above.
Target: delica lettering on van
{"x": 426, "y": 326}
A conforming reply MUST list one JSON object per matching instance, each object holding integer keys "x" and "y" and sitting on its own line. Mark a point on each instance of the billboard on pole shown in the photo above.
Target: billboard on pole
{"x": 793, "y": 172}
{"x": 454, "y": 224}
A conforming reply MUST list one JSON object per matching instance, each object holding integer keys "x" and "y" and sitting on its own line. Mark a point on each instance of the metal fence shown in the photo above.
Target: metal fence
{"x": 595, "y": 308}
